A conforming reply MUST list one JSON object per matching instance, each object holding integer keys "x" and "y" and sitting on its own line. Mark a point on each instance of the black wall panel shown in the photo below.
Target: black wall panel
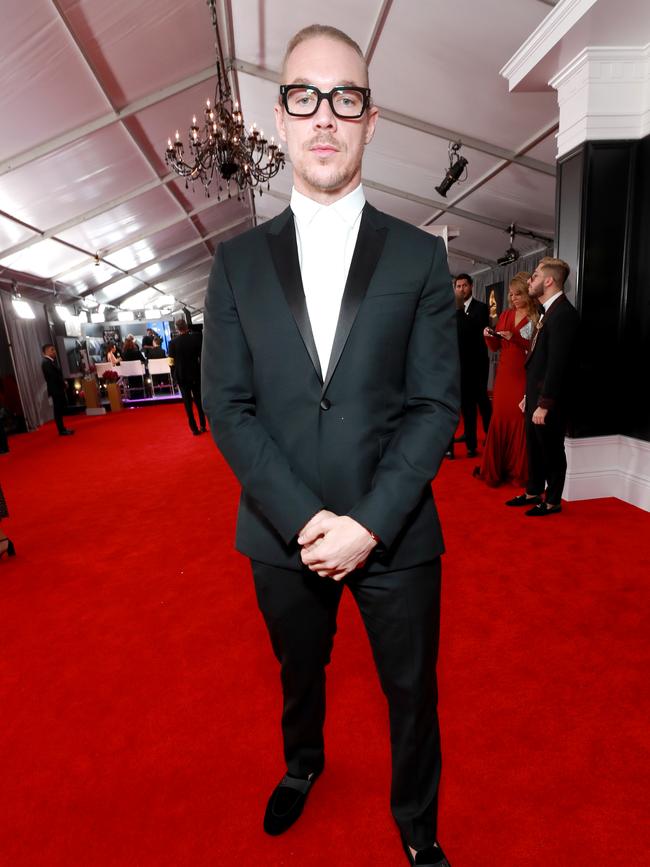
{"x": 603, "y": 232}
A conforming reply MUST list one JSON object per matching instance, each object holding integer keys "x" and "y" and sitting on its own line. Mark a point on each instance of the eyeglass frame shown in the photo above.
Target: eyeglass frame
{"x": 364, "y": 91}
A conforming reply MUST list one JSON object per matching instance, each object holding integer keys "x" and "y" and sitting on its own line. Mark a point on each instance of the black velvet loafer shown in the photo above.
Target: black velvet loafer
{"x": 286, "y": 803}
{"x": 433, "y": 856}
{"x": 541, "y": 510}
{"x": 523, "y": 500}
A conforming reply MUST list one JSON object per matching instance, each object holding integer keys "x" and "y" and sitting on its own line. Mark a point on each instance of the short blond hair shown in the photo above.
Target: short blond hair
{"x": 315, "y": 30}
{"x": 555, "y": 268}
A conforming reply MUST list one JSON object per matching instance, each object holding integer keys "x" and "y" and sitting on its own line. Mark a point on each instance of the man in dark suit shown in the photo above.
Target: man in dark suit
{"x": 55, "y": 387}
{"x": 330, "y": 376}
{"x": 548, "y": 378}
{"x": 185, "y": 353}
{"x": 472, "y": 317}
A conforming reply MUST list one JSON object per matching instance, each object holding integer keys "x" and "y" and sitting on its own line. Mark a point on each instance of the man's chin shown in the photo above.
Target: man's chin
{"x": 326, "y": 182}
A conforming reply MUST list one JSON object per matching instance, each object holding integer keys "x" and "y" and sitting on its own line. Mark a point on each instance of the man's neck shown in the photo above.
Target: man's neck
{"x": 548, "y": 295}
{"x": 325, "y": 197}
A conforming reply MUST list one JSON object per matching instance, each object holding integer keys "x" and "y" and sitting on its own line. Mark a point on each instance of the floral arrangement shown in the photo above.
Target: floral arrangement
{"x": 110, "y": 376}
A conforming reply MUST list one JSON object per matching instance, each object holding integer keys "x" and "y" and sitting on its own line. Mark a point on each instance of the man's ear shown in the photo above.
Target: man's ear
{"x": 373, "y": 114}
{"x": 279, "y": 122}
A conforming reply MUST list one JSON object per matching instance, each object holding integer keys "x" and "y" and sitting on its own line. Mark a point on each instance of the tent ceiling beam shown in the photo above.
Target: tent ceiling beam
{"x": 421, "y": 200}
{"x": 170, "y": 276}
{"x": 378, "y": 29}
{"x": 44, "y": 234}
{"x": 153, "y": 230}
{"x": 492, "y": 173}
{"x": 457, "y": 212}
{"x": 92, "y": 69}
{"x": 472, "y": 257}
{"x": 79, "y": 132}
{"x": 168, "y": 254}
{"x": 421, "y": 126}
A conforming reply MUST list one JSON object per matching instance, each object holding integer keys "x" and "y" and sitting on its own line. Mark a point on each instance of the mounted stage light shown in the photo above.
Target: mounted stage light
{"x": 126, "y": 316}
{"x": 97, "y": 318}
{"x": 511, "y": 255}
{"x": 62, "y": 312}
{"x": 457, "y": 165}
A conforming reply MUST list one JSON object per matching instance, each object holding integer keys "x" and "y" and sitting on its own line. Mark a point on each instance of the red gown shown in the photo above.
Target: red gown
{"x": 504, "y": 456}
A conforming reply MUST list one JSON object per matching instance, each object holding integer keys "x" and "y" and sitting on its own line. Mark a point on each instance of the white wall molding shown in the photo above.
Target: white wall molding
{"x": 604, "y": 93}
{"x": 562, "y": 18}
{"x": 612, "y": 466}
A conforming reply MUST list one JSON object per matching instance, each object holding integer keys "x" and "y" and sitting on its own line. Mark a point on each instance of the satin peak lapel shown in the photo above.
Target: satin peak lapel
{"x": 284, "y": 252}
{"x": 370, "y": 243}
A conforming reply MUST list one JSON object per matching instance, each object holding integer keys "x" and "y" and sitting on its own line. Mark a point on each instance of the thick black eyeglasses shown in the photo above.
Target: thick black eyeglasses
{"x": 303, "y": 100}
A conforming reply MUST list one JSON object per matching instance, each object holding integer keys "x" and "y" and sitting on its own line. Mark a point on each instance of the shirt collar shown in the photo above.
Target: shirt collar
{"x": 550, "y": 301}
{"x": 348, "y": 208}
{"x": 468, "y": 302}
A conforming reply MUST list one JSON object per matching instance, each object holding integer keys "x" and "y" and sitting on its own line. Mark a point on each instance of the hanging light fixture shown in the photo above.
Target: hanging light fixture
{"x": 220, "y": 148}
{"x": 511, "y": 254}
{"x": 457, "y": 165}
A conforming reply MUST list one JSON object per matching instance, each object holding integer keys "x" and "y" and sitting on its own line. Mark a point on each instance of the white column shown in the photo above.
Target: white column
{"x": 603, "y": 93}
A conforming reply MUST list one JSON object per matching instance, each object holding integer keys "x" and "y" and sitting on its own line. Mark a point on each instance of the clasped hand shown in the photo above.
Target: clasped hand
{"x": 334, "y": 545}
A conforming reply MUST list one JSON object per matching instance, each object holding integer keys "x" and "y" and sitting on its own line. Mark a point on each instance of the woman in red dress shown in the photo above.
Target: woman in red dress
{"x": 504, "y": 456}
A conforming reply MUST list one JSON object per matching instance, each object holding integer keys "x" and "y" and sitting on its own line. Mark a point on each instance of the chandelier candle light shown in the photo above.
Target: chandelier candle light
{"x": 221, "y": 146}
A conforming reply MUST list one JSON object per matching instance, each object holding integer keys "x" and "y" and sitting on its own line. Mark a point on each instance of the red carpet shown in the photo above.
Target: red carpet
{"x": 140, "y": 699}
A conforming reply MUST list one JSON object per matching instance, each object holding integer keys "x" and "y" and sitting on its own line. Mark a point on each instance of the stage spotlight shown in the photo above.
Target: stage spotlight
{"x": 457, "y": 165}
{"x": 511, "y": 255}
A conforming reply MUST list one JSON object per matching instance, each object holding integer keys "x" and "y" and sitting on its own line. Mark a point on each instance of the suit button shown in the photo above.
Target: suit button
{"x": 325, "y": 404}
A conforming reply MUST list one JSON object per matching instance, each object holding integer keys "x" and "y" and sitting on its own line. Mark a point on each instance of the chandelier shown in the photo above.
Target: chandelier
{"x": 220, "y": 147}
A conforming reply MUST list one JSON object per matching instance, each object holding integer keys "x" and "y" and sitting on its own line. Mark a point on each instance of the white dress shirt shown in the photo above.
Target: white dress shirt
{"x": 326, "y": 236}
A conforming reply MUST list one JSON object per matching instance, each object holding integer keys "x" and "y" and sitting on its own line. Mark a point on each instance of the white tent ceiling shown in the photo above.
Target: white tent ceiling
{"x": 92, "y": 90}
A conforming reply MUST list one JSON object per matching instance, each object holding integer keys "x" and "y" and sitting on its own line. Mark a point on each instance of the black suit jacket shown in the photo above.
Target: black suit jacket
{"x": 550, "y": 363}
{"x": 186, "y": 352}
{"x": 363, "y": 438}
{"x": 53, "y": 379}
{"x": 474, "y": 359}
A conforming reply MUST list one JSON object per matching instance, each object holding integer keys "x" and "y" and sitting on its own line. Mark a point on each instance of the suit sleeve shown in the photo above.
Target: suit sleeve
{"x": 417, "y": 448}
{"x": 561, "y": 338}
{"x": 228, "y": 399}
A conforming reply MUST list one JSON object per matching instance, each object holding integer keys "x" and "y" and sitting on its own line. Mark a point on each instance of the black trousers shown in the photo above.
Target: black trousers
{"x": 191, "y": 394}
{"x": 546, "y": 456}
{"x": 59, "y": 407}
{"x": 401, "y": 613}
{"x": 473, "y": 395}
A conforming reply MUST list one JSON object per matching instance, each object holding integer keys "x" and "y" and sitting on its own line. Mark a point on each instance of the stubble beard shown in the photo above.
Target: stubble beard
{"x": 332, "y": 178}
{"x": 534, "y": 292}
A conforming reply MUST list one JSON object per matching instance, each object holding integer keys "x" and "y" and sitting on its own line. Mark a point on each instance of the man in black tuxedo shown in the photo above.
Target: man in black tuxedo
{"x": 548, "y": 377}
{"x": 185, "y": 352}
{"x": 330, "y": 376}
{"x": 55, "y": 387}
{"x": 472, "y": 317}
